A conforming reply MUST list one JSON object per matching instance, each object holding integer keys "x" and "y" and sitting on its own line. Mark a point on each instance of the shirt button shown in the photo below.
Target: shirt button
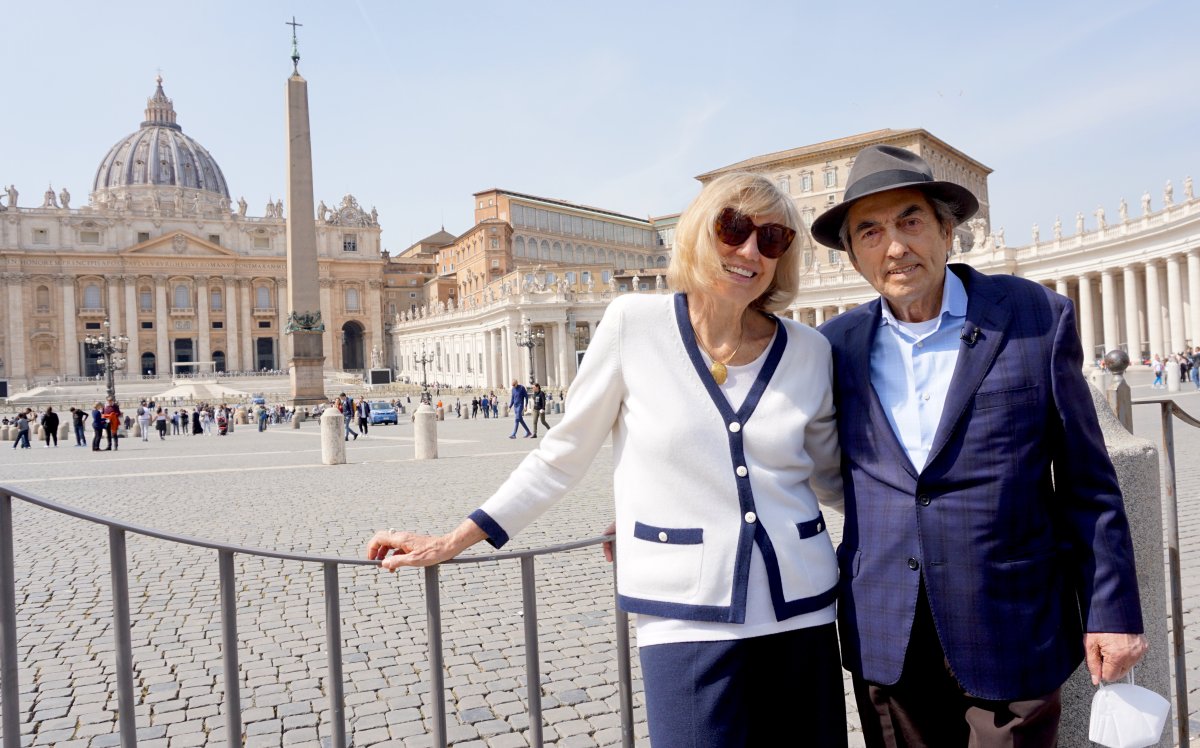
{"x": 923, "y": 500}
{"x": 741, "y": 471}
{"x": 914, "y": 564}
{"x": 925, "y": 396}
{"x": 735, "y": 427}
{"x": 751, "y": 517}
{"x": 662, "y": 536}
{"x": 920, "y": 345}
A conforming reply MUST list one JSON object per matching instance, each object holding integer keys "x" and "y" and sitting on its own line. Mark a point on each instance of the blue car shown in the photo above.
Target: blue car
{"x": 382, "y": 412}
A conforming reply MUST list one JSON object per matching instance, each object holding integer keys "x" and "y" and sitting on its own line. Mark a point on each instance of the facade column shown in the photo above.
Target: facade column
{"x": 560, "y": 344}
{"x": 1061, "y": 288}
{"x": 70, "y": 334}
{"x": 1175, "y": 303}
{"x": 15, "y": 360}
{"x": 1087, "y": 321}
{"x": 374, "y": 302}
{"x": 1108, "y": 303}
{"x": 233, "y": 362}
{"x": 1133, "y": 331}
{"x": 113, "y": 309}
{"x": 203, "y": 334}
{"x": 506, "y": 352}
{"x": 1154, "y": 310}
{"x": 249, "y": 362}
{"x": 133, "y": 355}
{"x": 489, "y": 353}
{"x": 1193, "y": 266}
{"x": 332, "y": 354}
{"x": 819, "y": 316}
{"x": 283, "y": 353}
{"x": 162, "y": 318}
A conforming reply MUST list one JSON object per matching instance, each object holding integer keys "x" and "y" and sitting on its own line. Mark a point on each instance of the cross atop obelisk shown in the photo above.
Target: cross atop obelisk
{"x": 305, "y": 326}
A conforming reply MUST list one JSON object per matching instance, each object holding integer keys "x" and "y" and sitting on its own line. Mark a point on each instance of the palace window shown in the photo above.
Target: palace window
{"x": 831, "y": 177}
{"x": 349, "y": 243}
{"x": 785, "y": 184}
{"x": 806, "y": 181}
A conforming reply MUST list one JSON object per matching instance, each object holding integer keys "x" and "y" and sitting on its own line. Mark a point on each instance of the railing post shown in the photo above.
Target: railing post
{"x": 124, "y": 646}
{"x": 229, "y": 651}
{"x": 1171, "y": 519}
{"x": 533, "y": 668}
{"x": 11, "y": 703}
{"x": 333, "y": 646}
{"x": 624, "y": 667}
{"x": 437, "y": 678}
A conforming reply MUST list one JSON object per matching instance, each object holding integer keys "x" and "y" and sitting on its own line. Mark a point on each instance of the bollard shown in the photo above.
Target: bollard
{"x": 64, "y": 430}
{"x": 296, "y": 418}
{"x": 425, "y": 433}
{"x": 1171, "y": 369}
{"x": 240, "y": 418}
{"x": 7, "y": 433}
{"x": 504, "y": 411}
{"x": 333, "y": 438}
{"x": 441, "y": 414}
{"x": 137, "y": 429}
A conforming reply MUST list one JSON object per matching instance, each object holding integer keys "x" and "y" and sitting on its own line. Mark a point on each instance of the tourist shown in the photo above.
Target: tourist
{"x": 50, "y": 426}
{"x": 22, "y": 439}
{"x": 160, "y": 422}
{"x": 99, "y": 426}
{"x": 722, "y": 425}
{"x": 77, "y": 418}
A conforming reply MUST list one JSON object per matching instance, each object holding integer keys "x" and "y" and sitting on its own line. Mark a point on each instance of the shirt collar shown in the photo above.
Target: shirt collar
{"x": 954, "y": 301}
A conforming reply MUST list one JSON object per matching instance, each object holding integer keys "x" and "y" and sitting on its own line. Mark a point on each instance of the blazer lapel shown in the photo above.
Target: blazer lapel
{"x": 859, "y": 341}
{"x": 988, "y": 313}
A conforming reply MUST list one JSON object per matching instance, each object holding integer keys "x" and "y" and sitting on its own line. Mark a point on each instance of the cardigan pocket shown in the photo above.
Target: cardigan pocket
{"x": 663, "y": 563}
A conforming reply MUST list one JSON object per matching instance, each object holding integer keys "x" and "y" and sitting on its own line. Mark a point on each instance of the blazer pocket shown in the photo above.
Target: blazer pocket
{"x": 663, "y": 563}
{"x": 1006, "y": 398}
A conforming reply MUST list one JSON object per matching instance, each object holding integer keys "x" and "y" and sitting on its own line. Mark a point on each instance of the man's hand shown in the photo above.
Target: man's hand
{"x": 1111, "y": 656}
{"x": 608, "y": 544}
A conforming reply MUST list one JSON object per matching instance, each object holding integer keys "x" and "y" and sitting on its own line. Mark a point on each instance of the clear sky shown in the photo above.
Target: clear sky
{"x": 417, "y": 105}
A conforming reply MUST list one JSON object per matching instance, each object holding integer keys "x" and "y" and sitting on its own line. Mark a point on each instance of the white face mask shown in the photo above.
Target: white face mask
{"x": 1127, "y": 716}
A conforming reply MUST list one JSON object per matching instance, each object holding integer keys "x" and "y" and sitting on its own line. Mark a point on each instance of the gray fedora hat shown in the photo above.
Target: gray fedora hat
{"x": 879, "y": 168}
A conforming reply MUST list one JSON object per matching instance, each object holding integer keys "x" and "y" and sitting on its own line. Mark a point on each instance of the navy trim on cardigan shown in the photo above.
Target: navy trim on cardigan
{"x": 669, "y": 535}
{"x": 811, "y": 528}
{"x": 495, "y": 533}
{"x": 736, "y": 612}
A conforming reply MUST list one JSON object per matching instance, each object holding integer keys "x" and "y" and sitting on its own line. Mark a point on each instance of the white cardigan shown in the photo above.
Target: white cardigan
{"x": 695, "y": 483}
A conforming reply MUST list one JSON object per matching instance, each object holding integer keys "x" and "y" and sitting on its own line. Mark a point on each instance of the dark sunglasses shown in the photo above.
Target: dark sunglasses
{"x": 734, "y": 228}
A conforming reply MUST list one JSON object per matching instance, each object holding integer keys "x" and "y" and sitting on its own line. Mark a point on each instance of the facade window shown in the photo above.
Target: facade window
{"x": 91, "y": 296}
{"x": 42, "y": 296}
{"x": 785, "y": 184}
{"x": 143, "y": 236}
{"x": 495, "y": 244}
{"x": 262, "y": 242}
{"x": 412, "y": 294}
{"x": 585, "y": 276}
{"x": 831, "y": 177}
{"x": 265, "y": 324}
{"x": 89, "y": 237}
{"x": 806, "y": 181}
{"x": 214, "y": 239}
{"x": 40, "y": 236}
{"x": 146, "y": 299}
{"x": 808, "y": 215}
{"x": 262, "y": 298}
{"x": 218, "y": 325}
{"x": 605, "y": 276}
{"x": 349, "y": 243}
{"x": 91, "y": 325}
{"x": 183, "y": 297}
{"x": 216, "y": 300}
{"x": 352, "y": 300}
{"x": 147, "y": 325}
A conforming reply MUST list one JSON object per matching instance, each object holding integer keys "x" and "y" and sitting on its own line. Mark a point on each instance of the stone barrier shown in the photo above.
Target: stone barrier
{"x": 425, "y": 432}
{"x": 333, "y": 438}
{"x": 64, "y": 431}
{"x": 1136, "y": 463}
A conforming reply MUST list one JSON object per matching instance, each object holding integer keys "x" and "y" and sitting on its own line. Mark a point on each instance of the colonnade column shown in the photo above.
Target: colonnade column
{"x": 15, "y": 336}
{"x": 819, "y": 316}
{"x": 70, "y": 335}
{"x": 1133, "y": 331}
{"x": 1108, "y": 303}
{"x": 113, "y": 309}
{"x": 506, "y": 347}
{"x": 1175, "y": 303}
{"x": 133, "y": 354}
{"x": 247, "y": 339}
{"x": 489, "y": 352}
{"x": 233, "y": 362}
{"x": 203, "y": 300}
{"x": 1193, "y": 265}
{"x": 162, "y": 318}
{"x": 564, "y": 360}
{"x": 1154, "y": 310}
{"x": 1061, "y": 288}
{"x": 1087, "y": 321}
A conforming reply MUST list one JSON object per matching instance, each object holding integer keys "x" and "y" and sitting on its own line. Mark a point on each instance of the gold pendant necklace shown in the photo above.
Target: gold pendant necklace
{"x": 718, "y": 370}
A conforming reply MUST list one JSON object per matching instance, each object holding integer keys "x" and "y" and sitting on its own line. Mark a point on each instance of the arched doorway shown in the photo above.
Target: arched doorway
{"x": 352, "y": 346}
{"x": 149, "y": 366}
{"x": 264, "y": 353}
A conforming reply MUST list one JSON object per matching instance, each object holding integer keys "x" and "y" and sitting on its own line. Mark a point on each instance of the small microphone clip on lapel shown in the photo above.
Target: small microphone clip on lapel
{"x": 970, "y": 334}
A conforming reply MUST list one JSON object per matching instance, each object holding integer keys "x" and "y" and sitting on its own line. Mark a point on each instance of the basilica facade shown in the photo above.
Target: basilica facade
{"x": 161, "y": 255}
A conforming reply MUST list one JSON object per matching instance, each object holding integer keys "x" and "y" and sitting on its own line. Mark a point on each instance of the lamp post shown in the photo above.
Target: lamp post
{"x": 527, "y": 338}
{"x": 425, "y": 360}
{"x": 110, "y": 352}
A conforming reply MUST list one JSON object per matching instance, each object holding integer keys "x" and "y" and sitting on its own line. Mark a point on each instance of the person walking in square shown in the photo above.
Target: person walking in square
{"x": 520, "y": 396}
{"x": 22, "y": 439}
{"x": 539, "y": 408}
{"x": 50, "y": 426}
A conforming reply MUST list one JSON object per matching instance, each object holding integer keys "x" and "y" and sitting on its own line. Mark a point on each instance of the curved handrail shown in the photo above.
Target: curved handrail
{"x": 241, "y": 549}
{"x": 1174, "y": 408}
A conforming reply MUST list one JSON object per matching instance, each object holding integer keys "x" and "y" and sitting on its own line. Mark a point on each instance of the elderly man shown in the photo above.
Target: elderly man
{"x": 986, "y": 549}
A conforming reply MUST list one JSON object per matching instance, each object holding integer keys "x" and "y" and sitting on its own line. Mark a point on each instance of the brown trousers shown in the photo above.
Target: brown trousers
{"x": 927, "y": 706}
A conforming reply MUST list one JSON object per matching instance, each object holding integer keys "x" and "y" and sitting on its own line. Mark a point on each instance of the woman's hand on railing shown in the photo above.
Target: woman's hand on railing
{"x": 608, "y": 544}
{"x": 412, "y": 549}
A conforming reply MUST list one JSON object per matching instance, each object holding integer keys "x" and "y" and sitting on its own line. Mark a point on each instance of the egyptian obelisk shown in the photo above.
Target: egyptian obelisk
{"x": 305, "y": 324}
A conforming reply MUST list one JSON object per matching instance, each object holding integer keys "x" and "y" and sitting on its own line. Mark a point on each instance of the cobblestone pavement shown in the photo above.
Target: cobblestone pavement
{"x": 269, "y": 491}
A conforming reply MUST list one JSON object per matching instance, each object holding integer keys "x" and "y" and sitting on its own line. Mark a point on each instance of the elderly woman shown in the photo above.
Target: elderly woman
{"x": 723, "y": 434}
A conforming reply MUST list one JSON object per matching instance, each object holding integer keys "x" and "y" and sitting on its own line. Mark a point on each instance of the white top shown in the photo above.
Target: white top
{"x": 697, "y": 485}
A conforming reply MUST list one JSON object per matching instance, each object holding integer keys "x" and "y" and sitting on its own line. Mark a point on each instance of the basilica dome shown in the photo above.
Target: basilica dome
{"x": 158, "y": 158}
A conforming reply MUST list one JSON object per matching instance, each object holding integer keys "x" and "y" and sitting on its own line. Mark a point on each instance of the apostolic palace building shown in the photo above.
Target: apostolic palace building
{"x": 162, "y": 253}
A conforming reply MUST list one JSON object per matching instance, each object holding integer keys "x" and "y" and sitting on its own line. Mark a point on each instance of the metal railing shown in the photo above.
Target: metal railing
{"x": 1169, "y": 410}
{"x": 117, "y": 531}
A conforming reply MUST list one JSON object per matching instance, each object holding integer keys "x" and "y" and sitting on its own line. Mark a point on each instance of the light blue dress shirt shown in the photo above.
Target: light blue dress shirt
{"x": 912, "y": 365}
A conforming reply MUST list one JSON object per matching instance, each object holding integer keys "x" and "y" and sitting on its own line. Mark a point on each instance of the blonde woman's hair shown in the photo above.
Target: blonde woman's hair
{"x": 695, "y": 262}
